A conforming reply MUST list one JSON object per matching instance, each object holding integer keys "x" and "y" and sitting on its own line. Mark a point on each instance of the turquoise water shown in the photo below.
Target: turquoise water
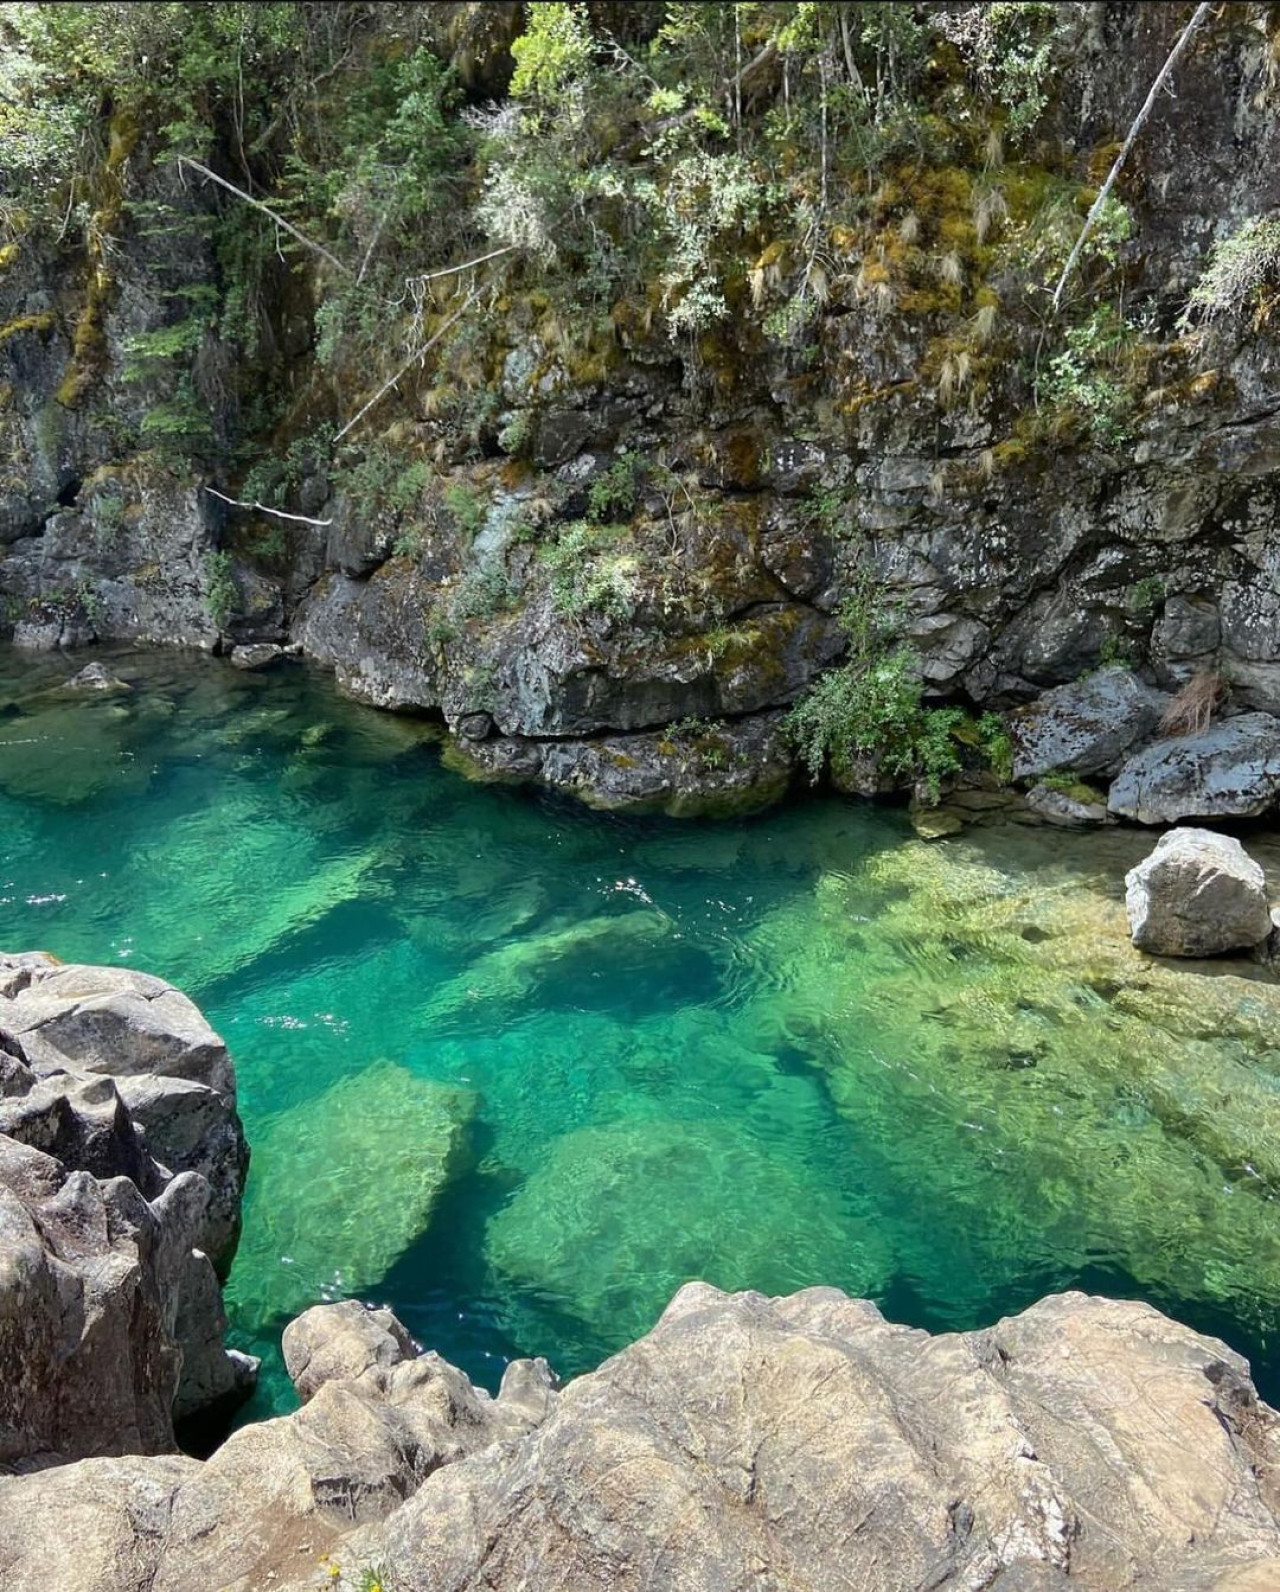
{"x": 520, "y": 1070}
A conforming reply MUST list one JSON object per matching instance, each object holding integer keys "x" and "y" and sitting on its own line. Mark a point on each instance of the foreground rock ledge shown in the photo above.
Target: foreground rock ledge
{"x": 746, "y": 1445}
{"x": 122, "y": 1164}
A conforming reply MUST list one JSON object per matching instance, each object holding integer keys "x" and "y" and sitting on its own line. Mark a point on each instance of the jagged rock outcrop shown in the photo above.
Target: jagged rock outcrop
{"x": 122, "y": 1162}
{"x": 744, "y": 1443}
{"x": 1197, "y": 894}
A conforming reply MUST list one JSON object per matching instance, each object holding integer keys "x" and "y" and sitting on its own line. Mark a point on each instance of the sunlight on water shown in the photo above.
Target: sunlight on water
{"x": 520, "y": 1070}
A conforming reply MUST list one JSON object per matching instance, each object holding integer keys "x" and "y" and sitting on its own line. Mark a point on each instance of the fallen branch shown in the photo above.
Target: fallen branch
{"x": 239, "y": 503}
{"x": 317, "y": 248}
{"x": 452, "y": 270}
{"x": 412, "y": 360}
{"x": 1095, "y": 210}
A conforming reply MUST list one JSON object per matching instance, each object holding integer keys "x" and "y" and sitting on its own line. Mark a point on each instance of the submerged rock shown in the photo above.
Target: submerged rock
{"x": 1197, "y": 894}
{"x": 97, "y": 677}
{"x": 344, "y": 1183}
{"x": 1077, "y": 807}
{"x": 1230, "y": 770}
{"x": 1009, "y": 1065}
{"x": 1085, "y": 726}
{"x": 66, "y": 749}
{"x": 744, "y": 1442}
{"x": 111, "y": 1317}
{"x": 667, "y": 1195}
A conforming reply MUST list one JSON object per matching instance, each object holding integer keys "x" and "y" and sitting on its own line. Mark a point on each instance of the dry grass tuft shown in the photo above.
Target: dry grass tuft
{"x": 1190, "y": 711}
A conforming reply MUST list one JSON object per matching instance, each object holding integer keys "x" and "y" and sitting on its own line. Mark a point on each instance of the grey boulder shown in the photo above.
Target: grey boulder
{"x": 1230, "y": 770}
{"x": 97, "y": 677}
{"x": 170, "y": 1068}
{"x": 255, "y": 656}
{"x": 330, "y": 1343}
{"x": 111, "y": 1316}
{"x": 1086, "y": 726}
{"x": 1197, "y": 894}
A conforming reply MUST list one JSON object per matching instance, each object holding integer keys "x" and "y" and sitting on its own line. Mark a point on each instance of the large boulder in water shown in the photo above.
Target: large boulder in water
{"x": 1197, "y": 894}
{"x": 1086, "y": 726}
{"x": 1230, "y": 770}
{"x": 344, "y": 1183}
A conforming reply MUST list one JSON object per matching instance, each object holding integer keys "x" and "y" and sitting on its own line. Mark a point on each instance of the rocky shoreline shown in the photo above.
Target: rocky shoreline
{"x": 618, "y": 579}
{"x": 744, "y": 1442}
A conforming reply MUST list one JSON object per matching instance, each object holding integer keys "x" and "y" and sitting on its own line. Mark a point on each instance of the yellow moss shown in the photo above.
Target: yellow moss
{"x": 1012, "y": 451}
{"x": 6, "y": 395}
{"x": 851, "y": 406}
{"x": 939, "y": 298}
{"x": 123, "y": 134}
{"x": 1101, "y": 161}
{"x": 8, "y": 254}
{"x": 27, "y": 323}
{"x": 957, "y": 232}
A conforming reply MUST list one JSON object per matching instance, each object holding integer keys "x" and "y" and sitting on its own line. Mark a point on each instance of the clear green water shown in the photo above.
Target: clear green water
{"x": 593, "y": 1058}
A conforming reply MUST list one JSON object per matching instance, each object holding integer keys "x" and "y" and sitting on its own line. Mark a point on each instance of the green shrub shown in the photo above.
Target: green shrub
{"x": 613, "y": 493}
{"x": 220, "y": 590}
{"x": 482, "y": 592}
{"x": 467, "y": 507}
{"x": 382, "y": 480}
{"x": 1088, "y": 376}
{"x": 871, "y": 707}
{"x": 1240, "y": 268}
{"x": 589, "y": 574}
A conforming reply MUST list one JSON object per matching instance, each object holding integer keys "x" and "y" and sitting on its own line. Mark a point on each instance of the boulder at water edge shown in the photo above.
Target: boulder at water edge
{"x": 121, "y": 1167}
{"x": 1197, "y": 894}
{"x": 1087, "y": 725}
{"x": 1230, "y": 770}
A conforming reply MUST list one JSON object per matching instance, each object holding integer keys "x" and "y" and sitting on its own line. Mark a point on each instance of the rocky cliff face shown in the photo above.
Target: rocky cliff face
{"x": 1019, "y": 548}
{"x": 122, "y": 1164}
{"x": 746, "y": 1442}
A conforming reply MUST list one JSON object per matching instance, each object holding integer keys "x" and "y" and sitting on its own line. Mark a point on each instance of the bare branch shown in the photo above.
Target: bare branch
{"x": 1095, "y": 210}
{"x": 417, "y": 354}
{"x": 317, "y": 248}
{"x": 452, "y": 270}
{"x": 239, "y": 503}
